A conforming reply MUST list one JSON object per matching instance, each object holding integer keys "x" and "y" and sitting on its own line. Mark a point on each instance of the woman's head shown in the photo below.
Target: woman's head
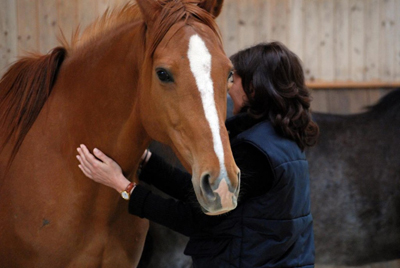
{"x": 272, "y": 78}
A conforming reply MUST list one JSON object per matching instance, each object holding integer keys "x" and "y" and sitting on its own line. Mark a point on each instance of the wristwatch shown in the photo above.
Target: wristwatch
{"x": 126, "y": 194}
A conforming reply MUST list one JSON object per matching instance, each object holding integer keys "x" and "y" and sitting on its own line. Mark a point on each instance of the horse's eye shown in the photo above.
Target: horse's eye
{"x": 230, "y": 77}
{"x": 164, "y": 76}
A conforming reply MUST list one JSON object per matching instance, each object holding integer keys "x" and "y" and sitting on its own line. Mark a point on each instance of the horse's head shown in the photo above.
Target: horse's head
{"x": 183, "y": 95}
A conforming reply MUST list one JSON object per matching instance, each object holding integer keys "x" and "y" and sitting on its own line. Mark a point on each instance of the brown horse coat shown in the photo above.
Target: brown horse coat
{"x": 97, "y": 91}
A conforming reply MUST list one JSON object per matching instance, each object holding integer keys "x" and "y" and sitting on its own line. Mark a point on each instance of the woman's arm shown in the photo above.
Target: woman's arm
{"x": 183, "y": 217}
{"x": 170, "y": 180}
{"x": 155, "y": 171}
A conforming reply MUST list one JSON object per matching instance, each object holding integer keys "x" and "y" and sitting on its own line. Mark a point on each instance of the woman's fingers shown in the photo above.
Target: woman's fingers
{"x": 101, "y": 169}
{"x": 82, "y": 158}
{"x": 85, "y": 166}
{"x": 100, "y": 155}
{"x": 88, "y": 156}
{"x": 85, "y": 171}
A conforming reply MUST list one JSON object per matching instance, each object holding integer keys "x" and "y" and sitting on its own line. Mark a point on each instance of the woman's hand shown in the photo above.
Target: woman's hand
{"x": 106, "y": 171}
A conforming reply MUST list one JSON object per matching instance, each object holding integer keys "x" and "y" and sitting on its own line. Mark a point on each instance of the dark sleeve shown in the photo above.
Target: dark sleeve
{"x": 170, "y": 180}
{"x": 256, "y": 174}
{"x": 186, "y": 216}
{"x": 255, "y": 169}
{"x": 183, "y": 217}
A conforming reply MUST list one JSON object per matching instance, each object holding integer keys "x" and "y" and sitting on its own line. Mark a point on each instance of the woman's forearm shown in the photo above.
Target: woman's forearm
{"x": 168, "y": 179}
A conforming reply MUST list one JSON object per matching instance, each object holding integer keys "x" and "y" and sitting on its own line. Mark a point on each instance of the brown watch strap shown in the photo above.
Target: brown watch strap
{"x": 129, "y": 188}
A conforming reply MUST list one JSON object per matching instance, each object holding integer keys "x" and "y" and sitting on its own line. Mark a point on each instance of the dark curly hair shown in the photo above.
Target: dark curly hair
{"x": 273, "y": 80}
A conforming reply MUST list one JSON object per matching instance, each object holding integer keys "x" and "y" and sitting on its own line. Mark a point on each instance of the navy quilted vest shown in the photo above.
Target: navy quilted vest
{"x": 272, "y": 230}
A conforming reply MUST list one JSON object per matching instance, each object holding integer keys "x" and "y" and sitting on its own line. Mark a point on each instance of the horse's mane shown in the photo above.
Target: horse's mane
{"x": 28, "y": 83}
{"x": 110, "y": 20}
{"x": 24, "y": 89}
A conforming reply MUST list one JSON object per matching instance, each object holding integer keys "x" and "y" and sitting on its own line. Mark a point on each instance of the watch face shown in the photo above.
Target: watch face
{"x": 125, "y": 195}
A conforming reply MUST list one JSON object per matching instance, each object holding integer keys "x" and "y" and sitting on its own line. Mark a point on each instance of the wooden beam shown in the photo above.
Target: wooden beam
{"x": 319, "y": 84}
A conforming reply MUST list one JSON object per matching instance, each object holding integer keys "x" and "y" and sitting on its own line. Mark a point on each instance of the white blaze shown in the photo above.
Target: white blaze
{"x": 200, "y": 65}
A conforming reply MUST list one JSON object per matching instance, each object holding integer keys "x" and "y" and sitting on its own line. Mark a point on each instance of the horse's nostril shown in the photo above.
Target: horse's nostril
{"x": 206, "y": 186}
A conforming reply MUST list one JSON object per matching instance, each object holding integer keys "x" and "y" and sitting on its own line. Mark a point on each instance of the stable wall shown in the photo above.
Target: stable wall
{"x": 350, "y": 48}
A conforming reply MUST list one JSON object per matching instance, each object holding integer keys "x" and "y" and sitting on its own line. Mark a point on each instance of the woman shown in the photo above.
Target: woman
{"x": 272, "y": 225}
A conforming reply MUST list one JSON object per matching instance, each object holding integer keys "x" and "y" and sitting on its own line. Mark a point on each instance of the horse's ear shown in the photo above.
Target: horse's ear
{"x": 149, "y": 9}
{"x": 212, "y": 6}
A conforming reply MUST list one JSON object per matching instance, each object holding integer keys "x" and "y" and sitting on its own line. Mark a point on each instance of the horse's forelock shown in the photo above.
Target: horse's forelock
{"x": 175, "y": 11}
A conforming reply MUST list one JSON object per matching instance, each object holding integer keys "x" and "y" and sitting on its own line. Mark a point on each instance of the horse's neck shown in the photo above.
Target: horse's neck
{"x": 101, "y": 82}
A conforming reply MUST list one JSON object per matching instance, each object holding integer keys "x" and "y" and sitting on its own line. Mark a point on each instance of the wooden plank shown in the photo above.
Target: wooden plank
{"x": 296, "y": 27}
{"x": 396, "y": 75}
{"x": 8, "y": 34}
{"x": 278, "y": 11}
{"x": 371, "y": 40}
{"x": 338, "y": 101}
{"x": 358, "y": 100}
{"x": 28, "y": 35}
{"x": 67, "y": 14}
{"x": 326, "y": 59}
{"x": 311, "y": 54}
{"x": 316, "y": 84}
{"x": 261, "y": 23}
{"x": 341, "y": 40}
{"x": 265, "y": 27}
{"x": 246, "y": 23}
{"x": 357, "y": 39}
{"x": 266, "y": 20}
{"x": 48, "y": 27}
{"x": 229, "y": 27}
{"x": 87, "y": 13}
{"x": 311, "y": 40}
{"x": 319, "y": 101}
{"x": 221, "y": 22}
{"x": 387, "y": 15}
{"x": 257, "y": 12}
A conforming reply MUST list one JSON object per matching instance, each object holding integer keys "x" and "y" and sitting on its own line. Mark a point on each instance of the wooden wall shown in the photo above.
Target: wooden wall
{"x": 33, "y": 25}
{"x": 350, "y": 48}
{"x": 338, "y": 40}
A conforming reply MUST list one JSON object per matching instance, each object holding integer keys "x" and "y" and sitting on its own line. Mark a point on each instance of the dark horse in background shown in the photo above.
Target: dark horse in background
{"x": 355, "y": 185}
{"x": 355, "y": 190}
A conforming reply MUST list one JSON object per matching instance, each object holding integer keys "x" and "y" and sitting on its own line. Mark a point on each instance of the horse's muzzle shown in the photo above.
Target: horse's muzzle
{"x": 219, "y": 196}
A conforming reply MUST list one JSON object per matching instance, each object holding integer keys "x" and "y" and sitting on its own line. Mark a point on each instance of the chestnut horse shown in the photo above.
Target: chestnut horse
{"x": 154, "y": 70}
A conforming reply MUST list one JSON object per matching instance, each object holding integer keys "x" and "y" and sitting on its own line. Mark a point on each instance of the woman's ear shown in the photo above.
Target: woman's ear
{"x": 212, "y": 6}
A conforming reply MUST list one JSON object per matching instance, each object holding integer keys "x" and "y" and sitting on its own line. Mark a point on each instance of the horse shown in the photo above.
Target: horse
{"x": 153, "y": 70}
{"x": 355, "y": 190}
{"x": 355, "y": 185}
